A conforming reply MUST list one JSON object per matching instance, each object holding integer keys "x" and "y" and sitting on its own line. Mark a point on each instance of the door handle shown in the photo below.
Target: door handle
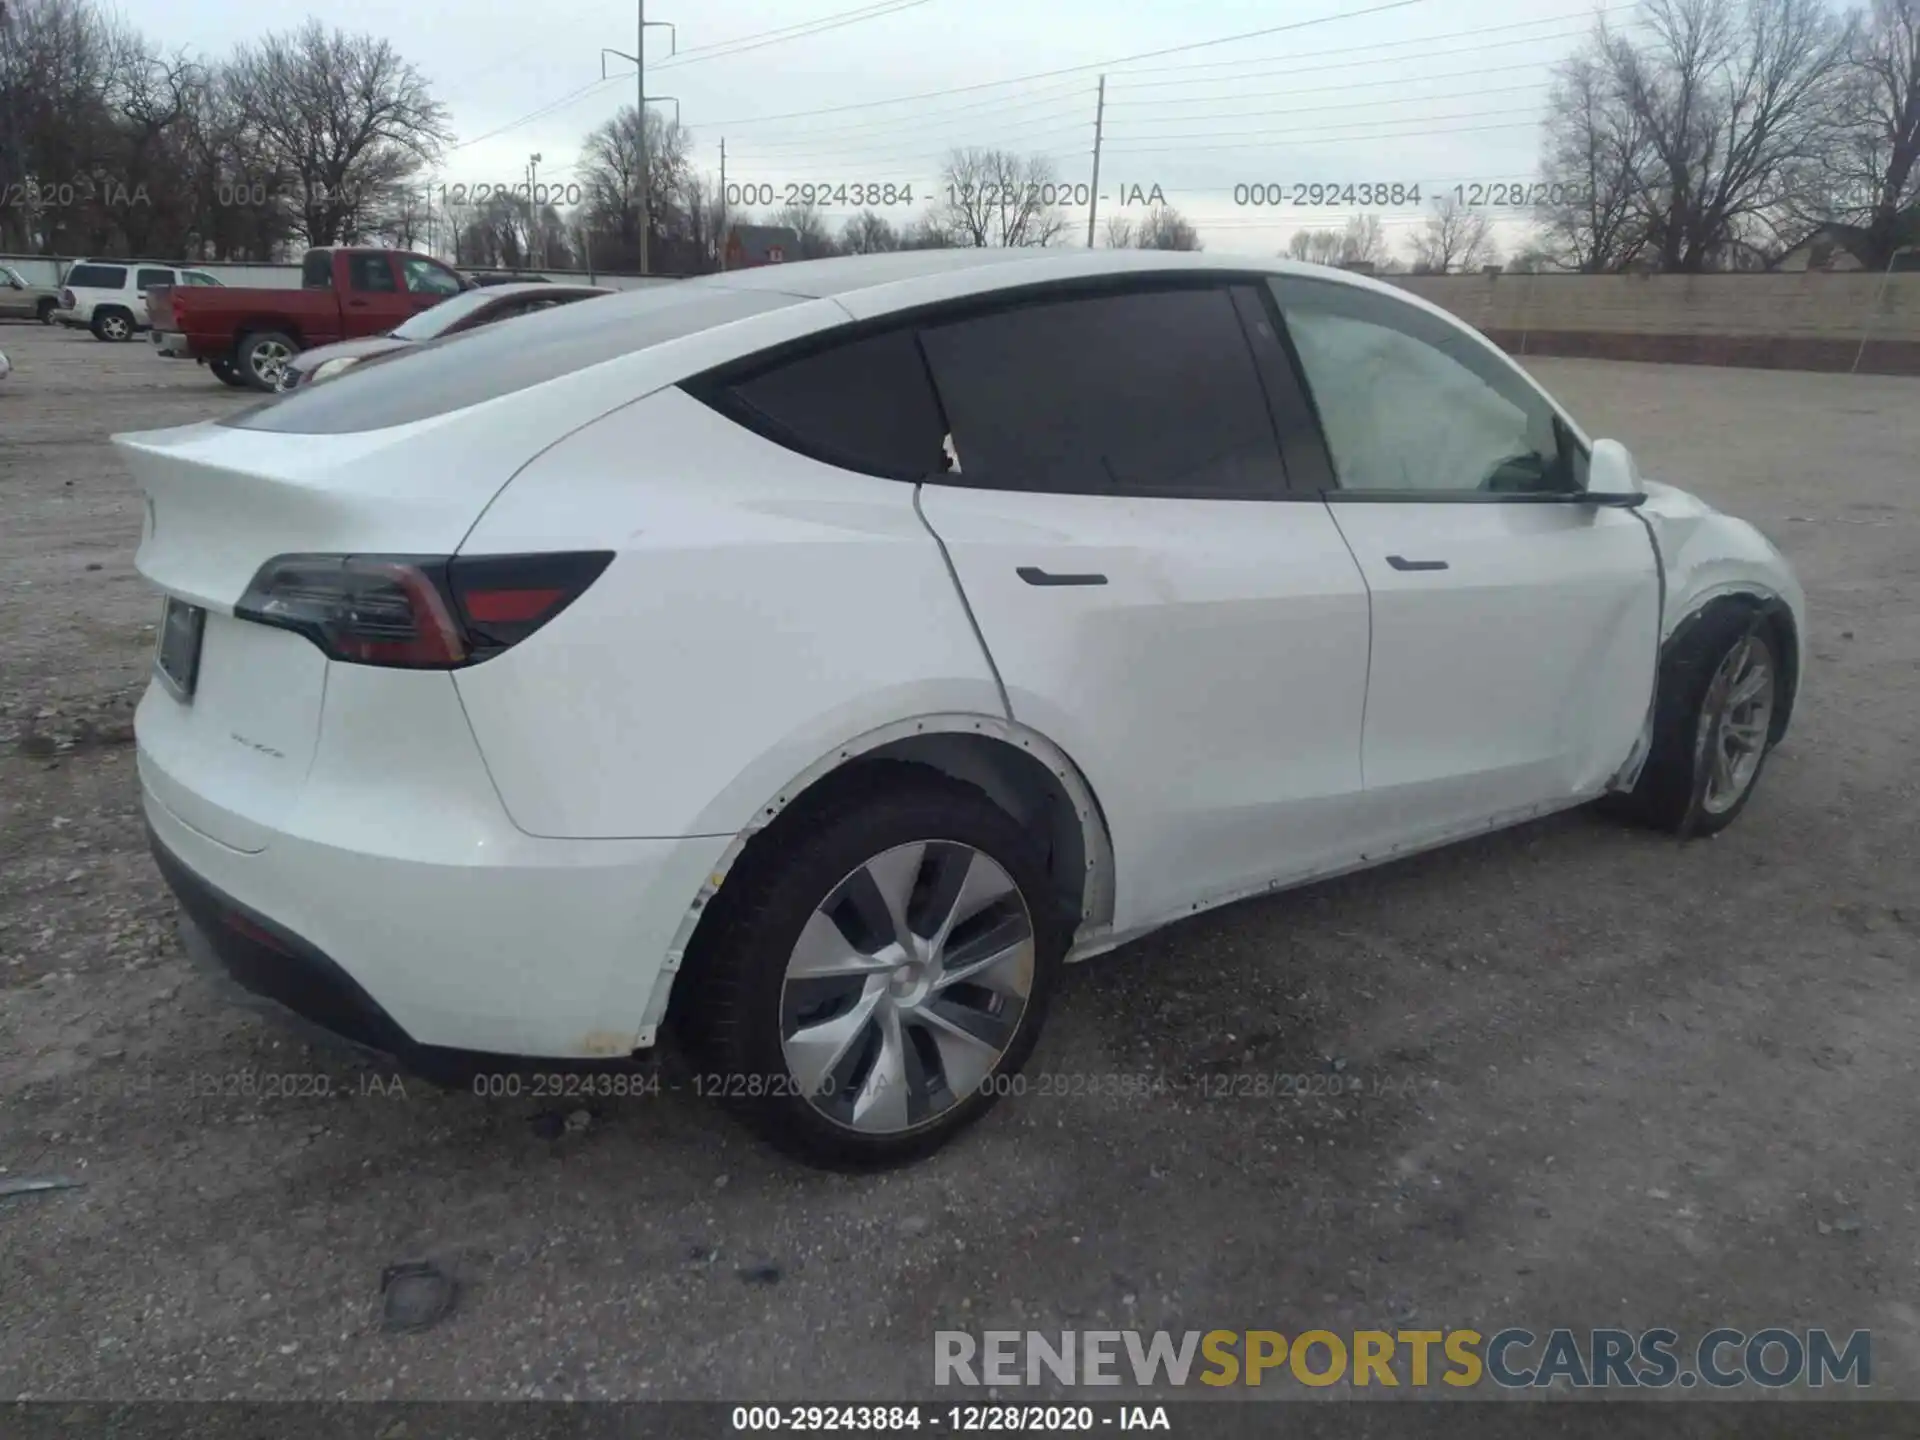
{"x": 1400, "y": 562}
{"x": 1034, "y": 575}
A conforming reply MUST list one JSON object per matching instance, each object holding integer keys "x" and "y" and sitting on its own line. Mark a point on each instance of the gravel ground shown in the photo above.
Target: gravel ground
{"x": 1593, "y": 1077}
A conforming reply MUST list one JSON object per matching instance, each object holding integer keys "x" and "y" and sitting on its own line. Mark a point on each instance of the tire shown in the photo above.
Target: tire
{"x": 113, "y": 325}
{"x": 225, "y": 373}
{"x": 260, "y": 357}
{"x": 764, "y": 1039}
{"x": 1679, "y": 789}
{"x": 43, "y": 312}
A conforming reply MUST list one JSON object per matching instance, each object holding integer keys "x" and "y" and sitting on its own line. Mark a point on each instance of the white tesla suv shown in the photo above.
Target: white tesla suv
{"x": 809, "y": 661}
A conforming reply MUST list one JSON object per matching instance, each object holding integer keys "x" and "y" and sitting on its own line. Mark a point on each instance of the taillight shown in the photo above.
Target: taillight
{"x": 66, "y": 300}
{"x": 413, "y": 611}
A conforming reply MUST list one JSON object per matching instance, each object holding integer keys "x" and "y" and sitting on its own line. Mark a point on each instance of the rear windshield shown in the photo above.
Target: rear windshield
{"x": 455, "y": 371}
{"x": 97, "y": 277}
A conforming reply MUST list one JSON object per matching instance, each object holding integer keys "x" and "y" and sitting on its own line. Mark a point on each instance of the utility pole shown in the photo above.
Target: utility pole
{"x": 720, "y": 240}
{"x": 639, "y": 59}
{"x": 533, "y": 209}
{"x": 1093, "y": 195}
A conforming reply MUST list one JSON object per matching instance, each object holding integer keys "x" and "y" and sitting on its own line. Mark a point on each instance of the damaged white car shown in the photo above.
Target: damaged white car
{"x": 811, "y": 660}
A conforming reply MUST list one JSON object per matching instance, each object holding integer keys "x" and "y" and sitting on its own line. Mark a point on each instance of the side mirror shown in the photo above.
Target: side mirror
{"x": 1612, "y": 476}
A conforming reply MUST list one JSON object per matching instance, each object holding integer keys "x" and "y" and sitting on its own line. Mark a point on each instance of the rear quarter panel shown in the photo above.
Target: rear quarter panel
{"x": 762, "y": 609}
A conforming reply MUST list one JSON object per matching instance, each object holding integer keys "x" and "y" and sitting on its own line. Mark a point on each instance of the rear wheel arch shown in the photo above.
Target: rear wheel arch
{"x": 1021, "y": 771}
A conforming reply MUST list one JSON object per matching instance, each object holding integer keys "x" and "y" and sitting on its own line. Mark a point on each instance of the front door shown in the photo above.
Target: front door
{"x": 1152, "y": 595}
{"x": 375, "y": 301}
{"x": 1515, "y": 628}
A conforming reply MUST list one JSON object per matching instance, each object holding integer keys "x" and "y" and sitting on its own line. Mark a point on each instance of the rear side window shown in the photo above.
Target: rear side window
{"x": 452, "y": 372}
{"x": 97, "y": 277}
{"x": 1136, "y": 393}
{"x": 197, "y": 277}
{"x": 316, "y": 271}
{"x": 370, "y": 272}
{"x": 861, "y": 404}
{"x": 147, "y": 279}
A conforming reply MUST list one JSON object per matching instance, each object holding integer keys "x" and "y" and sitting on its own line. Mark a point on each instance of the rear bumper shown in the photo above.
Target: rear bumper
{"x": 172, "y": 344}
{"x": 427, "y": 926}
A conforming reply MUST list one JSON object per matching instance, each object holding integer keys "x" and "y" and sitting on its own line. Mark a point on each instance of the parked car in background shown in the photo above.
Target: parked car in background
{"x": 247, "y": 335}
{"x": 463, "y": 312}
{"x": 21, "y": 299}
{"x": 810, "y": 660}
{"x": 489, "y": 278}
{"x": 109, "y": 297}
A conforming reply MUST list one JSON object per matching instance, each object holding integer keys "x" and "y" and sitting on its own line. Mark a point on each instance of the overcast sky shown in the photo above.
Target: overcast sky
{"x": 1430, "y": 92}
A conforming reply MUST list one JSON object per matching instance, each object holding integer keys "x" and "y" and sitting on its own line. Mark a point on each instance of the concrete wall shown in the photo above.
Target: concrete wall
{"x": 1811, "y": 320}
{"x": 49, "y": 269}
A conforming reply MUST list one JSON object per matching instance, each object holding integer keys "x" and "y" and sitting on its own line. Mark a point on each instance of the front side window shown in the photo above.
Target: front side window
{"x": 862, "y": 403}
{"x": 426, "y": 278}
{"x": 1148, "y": 392}
{"x": 1409, "y": 403}
{"x": 370, "y": 272}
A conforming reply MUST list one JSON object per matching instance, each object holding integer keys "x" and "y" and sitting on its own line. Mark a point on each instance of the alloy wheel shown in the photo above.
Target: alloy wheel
{"x": 907, "y": 986}
{"x": 1735, "y": 721}
{"x": 115, "y": 327}
{"x": 269, "y": 360}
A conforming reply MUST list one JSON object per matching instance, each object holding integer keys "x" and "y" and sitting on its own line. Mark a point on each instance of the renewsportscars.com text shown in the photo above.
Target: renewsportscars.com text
{"x": 1512, "y": 1358}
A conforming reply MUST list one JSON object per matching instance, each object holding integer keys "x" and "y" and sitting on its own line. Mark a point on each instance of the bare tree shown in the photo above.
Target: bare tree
{"x": 1594, "y": 172}
{"x": 809, "y": 224}
{"x": 868, "y": 233}
{"x": 1119, "y": 233}
{"x": 1165, "y": 228}
{"x": 343, "y": 115}
{"x": 1454, "y": 237}
{"x": 1317, "y": 247}
{"x": 1362, "y": 240}
{"x": 1874, "y": 170}
{"x": 995, "y": 197}
{"x": 610, "y": 181}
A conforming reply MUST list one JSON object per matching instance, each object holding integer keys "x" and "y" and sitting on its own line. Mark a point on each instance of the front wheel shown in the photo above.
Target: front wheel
{"x": 1720, "y": 686}
{"x": 877, "y": 972}
{"x": 263, "y": 357}
{"x": 113, "y": 326}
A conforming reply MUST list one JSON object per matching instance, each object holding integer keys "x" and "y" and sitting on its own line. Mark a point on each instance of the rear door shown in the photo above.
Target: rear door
{"x": 1515, "y": 629}
{"x": 1152, "y": 594}
{"x": 145, "y": 279}
{"x": 375, "y": 301}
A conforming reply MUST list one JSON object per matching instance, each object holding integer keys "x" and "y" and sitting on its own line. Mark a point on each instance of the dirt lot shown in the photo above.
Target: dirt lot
{"x": 1601, "y": 1079}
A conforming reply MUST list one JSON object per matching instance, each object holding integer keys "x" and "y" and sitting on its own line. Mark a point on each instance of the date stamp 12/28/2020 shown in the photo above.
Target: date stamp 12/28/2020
{"x": 1387, "y": 194}
{"x": 987, "y": 195}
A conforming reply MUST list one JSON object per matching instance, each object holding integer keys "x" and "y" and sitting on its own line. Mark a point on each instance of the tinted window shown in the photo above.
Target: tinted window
{"x": 316, "y": 271}
{"x": 862, "y": 404}
{"x": 429, "y": 323}
{"x": 147, "y": 279}
{"x": 97, "y": 277}
{"x": 197, "y": 277}
{"x": 456, "y": 371}
{"x": 1409, "y": 402}
{"x": 1140, "y": 393}
{"x": 370, "y": 272}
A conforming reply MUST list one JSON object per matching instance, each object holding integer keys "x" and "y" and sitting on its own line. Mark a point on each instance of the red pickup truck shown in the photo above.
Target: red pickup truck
{"x": 246, "y": 335}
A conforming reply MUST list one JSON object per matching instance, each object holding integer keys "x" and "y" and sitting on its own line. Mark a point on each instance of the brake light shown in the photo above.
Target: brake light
{"x": 413, "y": 611}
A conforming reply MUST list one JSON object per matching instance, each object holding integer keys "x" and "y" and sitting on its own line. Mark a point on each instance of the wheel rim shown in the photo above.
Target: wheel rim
{"x": 906, "y": 987}
{"x": 115, "y": 327}
{"x": 269, "y": 360}
{"x": 1734, "y": 723}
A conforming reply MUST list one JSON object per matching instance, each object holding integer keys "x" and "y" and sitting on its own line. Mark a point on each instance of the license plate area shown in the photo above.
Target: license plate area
{"x": 176, "y": 653}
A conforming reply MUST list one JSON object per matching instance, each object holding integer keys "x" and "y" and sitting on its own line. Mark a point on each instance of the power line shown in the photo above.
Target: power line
{"x": 544, "y": 110}
{"x": 1267, "y": 140}
{"x": 911, "y": 124}
{"x": 1354, "y": 105}
{"x": 1065, "y": 69}
{"x": 740, "y": 45}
